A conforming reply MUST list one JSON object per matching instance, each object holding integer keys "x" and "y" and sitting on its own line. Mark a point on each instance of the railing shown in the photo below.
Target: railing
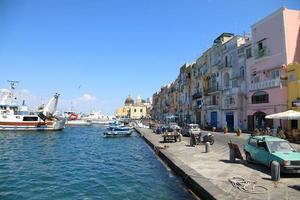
{"x": 259, "y": 53}
{"x": 213, "y": 89}
{"x": 197, "y": 95}
{"x": 265, "y": 84}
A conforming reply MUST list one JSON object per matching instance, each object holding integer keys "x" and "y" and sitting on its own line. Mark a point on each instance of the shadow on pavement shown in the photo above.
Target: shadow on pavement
{"x": 295, "y": 187}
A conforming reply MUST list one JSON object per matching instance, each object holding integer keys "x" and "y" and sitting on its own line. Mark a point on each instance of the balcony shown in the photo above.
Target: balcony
{"x": 265, "y": 84}
{"x": 259, "y": 53}
{"x": 213, "y": 89}
{"x": 197, "y": 95}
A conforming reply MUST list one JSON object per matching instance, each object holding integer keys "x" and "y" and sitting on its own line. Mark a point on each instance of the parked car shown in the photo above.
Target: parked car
{"x": 190, "y": 128}
{"x": 266, "y": 149}
{"x": 172, "y": 126}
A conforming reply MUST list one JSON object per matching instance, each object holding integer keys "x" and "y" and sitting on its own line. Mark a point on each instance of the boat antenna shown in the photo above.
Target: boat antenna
{"x": 13, "y": 84}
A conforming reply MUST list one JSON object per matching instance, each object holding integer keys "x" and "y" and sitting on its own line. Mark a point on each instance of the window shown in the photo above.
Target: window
{"x": 274, "y": 74}
{"x": 235, "y": 83}
{"x": 262, "y": 146}
{"x": 259, "y": 46}
{"x": 134, "y": 110}
{"x": 255, "y": 79}
{"x": 30, "y": 119}
{"x": 260, "y": 97}
{"x": 292, "y": 77}
{"x": 229, "y": 100}
{"x": 248, "y": 53}
{"x": 141, "y": 110}
{"x": 253, "y": 142}
{"x": 226, "y": 61}
{"x": 214, "y": 100}
{"x": 226, "y": 80}
{"x": 242, "y": 71}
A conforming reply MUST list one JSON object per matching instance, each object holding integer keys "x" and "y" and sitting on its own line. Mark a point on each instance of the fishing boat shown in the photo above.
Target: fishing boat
{"x": 14, "y": 117}
{"x": 117, "y": 130}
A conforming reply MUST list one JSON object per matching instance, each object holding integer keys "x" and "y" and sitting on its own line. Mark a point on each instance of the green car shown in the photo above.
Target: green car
{"x": 266, "y": 149}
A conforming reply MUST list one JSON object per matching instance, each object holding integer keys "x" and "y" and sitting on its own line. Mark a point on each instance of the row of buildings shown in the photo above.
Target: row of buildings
{"x": 240, "y": 79}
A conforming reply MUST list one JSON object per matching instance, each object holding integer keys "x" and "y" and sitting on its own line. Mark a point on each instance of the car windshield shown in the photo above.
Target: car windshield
{"x": 193, "y": 126}
{"x": 280, "y": 146}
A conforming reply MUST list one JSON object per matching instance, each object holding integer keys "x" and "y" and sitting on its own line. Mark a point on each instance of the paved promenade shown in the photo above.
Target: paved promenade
{"x": 208, "y": 173}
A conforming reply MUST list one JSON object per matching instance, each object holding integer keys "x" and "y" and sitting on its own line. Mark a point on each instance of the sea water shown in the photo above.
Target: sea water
{"x": 79, "y": 163}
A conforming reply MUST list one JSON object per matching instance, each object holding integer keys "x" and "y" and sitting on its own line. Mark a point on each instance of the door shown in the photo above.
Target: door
{"x": 214, "y": 119}
{"x": 230, "y": 121}
{"x": 198, "y": 117}
{"x": 262, "y": 154}
{"x": 250, "y": 122}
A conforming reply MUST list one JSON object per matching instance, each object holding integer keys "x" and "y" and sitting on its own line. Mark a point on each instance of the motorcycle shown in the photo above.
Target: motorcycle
{"x": 198, "y": 139}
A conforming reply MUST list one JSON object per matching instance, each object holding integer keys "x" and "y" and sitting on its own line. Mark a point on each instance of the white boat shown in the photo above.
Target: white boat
{"x": 117, "y": 133}
{"x": 13, "y": 117}
{"x": 74, "y": 119}
{"x": 116, "y": 129}
{"x": 98, "y": 119}
{"x": 78, "y": 122}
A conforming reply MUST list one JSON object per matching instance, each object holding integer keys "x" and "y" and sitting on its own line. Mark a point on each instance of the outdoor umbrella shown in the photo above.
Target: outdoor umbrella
{"x": 288, "y": 115}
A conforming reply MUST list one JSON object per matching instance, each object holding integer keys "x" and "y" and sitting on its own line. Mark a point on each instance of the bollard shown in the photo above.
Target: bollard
{"x": 207, "y": 147}
{"x": 180, "y": 137}
{"x": 231, "y": 155}
{"x": 275, "y": 171}
{"x": 192, "y": 140}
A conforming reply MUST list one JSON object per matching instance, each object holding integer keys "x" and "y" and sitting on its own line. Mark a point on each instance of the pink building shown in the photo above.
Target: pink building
{"x": 275, "y": 44}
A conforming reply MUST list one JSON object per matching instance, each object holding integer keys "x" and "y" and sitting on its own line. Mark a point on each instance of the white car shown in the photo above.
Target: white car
{"x": 191, "y": 129}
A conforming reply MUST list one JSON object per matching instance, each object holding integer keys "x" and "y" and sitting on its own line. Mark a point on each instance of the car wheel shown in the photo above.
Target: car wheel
{"x": 248, "y": 158}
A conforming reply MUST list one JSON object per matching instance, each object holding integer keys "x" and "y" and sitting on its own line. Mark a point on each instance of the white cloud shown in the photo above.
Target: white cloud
{"x": 87, "y": 98}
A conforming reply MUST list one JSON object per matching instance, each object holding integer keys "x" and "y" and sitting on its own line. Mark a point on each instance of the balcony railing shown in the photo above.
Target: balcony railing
{"x": 265, "y": 84}
{"x": 197, "y": 95}
{"x": 259, "y": 53}
{"x": 213, "y": 89}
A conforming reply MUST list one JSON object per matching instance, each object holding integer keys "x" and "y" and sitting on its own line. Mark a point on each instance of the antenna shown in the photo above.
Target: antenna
{"x": 13, "y": 84}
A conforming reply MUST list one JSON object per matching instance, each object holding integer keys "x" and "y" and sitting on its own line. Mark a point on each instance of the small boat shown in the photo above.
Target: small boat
{"x": 116, "y": 129}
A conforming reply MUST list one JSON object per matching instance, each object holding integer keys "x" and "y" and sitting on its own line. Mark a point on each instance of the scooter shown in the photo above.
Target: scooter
{"x": 198, "y": 139}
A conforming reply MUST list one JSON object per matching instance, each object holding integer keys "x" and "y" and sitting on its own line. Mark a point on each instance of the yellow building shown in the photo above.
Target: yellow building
{"x": 132, "y": 110}
{"x": 293, "y": 72}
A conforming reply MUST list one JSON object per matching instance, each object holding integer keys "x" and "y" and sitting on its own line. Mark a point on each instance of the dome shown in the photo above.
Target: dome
{"x": 129, "y": 101}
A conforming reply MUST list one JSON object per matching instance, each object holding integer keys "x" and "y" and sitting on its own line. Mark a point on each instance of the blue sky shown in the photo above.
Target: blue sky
{"x": 96, "y": 52}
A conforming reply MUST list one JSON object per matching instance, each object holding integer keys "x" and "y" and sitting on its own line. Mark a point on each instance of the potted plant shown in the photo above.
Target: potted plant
{"x": 238, "y": 131}
{"x": 225, "y": 129}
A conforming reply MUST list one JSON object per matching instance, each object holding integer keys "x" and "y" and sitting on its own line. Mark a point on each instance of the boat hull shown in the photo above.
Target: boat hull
{"x": 117, "y": 133}
{"x": 78, "y": 123}
{"x": 56, "y": 125}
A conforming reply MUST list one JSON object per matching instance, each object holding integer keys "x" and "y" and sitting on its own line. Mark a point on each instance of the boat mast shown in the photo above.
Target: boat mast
{"x": 13, "y": 84}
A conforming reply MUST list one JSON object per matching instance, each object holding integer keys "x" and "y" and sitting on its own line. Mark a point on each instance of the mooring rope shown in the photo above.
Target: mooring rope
{"x": 248, "y": 186}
